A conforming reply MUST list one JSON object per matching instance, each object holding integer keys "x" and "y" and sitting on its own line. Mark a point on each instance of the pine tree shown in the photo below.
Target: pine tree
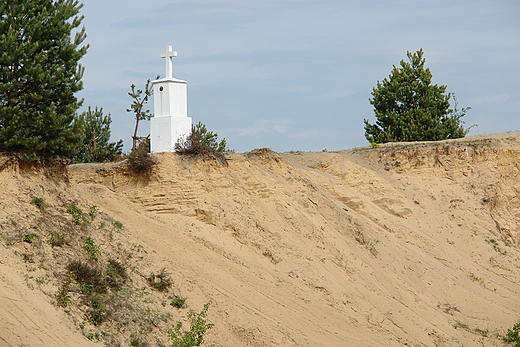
{"x": 208, "y": 138}
{"x": 96, "y": 146}
{"x": 140, "y": 99}
{"x": 409, "y": 108}
{"x": 39, "y": 74}
{"x": 200, "y": 141}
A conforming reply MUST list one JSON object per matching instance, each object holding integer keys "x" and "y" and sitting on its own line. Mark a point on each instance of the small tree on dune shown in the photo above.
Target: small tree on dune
{"x": 140, "y": 99}
{"x": 200, "y": 141}
{"x": 409, "y": 108}
{"x": 96, "y": 146}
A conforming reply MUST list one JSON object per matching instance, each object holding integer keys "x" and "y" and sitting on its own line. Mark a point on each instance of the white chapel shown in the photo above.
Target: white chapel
{"x": 170, "y": 120}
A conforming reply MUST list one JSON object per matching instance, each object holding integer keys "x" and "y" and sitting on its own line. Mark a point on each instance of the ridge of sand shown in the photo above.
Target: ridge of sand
{"x": 405, "y": 244}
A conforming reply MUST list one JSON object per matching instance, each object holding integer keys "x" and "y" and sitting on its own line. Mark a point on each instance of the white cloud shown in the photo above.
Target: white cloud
{"x": 497, "y": 98}
{"x": 266, "y": 126}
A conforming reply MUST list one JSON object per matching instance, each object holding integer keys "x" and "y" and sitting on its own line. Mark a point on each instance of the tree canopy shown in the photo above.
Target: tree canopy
{"x": 39, "y": 75}
{"x": 95, "y": 146}
{"x": 409, "y": 108}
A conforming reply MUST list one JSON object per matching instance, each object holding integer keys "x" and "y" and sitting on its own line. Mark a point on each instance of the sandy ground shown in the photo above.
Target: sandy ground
{"x": 400, "y": 245}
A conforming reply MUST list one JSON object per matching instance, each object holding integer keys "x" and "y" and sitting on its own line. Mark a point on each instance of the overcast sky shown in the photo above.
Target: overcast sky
{"x": 297, "y": 74}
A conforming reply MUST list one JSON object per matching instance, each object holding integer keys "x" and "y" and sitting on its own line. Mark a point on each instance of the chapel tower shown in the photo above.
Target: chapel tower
{"x": 170, "y": 121}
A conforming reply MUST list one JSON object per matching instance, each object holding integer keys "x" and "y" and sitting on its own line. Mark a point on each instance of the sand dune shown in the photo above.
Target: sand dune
{"x": 404, "y": 244}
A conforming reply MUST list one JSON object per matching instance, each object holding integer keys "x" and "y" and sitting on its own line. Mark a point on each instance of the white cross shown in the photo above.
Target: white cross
{"x": 169, "y": 54}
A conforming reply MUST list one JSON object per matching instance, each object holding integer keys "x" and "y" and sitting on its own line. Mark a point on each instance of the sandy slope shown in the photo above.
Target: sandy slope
{"x": 400, "y": 245}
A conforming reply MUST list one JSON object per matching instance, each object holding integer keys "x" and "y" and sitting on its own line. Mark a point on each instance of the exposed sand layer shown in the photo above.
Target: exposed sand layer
{"x": 409, "y": 244}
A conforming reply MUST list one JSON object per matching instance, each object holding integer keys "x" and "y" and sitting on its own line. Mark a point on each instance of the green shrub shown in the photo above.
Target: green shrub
{"x": 93, "y": 336}
{"x": 161, "y": 282}
{"x": 62, "y": 299}
{"x": 91, "y": 280}
{"x": 93, "y": 210}
{"x": 90, "y": 277}
{"x": 38, "y": 201}
{"x": 513, "y": 335}
{"x": 195, "y": 336}
{"x": 57, "y": 238}
{"x": 140, "y": 161}
{"x": 90, "y": 246}
{"x": 201, "y": 142}
{"x": 135, "y": 339}
{"x": 131, "y": 304}
{"x": 28, "y": 238}
{"x": 116, "y": 274}
{"x": 98, "y": 313}
{"x": 179, "y": 302}
{"x": 77, "y": 215}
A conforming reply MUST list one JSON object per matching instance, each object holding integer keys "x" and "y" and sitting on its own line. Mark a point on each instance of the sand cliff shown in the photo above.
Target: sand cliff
{"x": 409, "y": 244}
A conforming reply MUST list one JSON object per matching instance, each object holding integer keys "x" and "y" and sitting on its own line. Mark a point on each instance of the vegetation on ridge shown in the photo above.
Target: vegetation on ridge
{"x": 200, "y": 141}
{"x": 409, "y": 108}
